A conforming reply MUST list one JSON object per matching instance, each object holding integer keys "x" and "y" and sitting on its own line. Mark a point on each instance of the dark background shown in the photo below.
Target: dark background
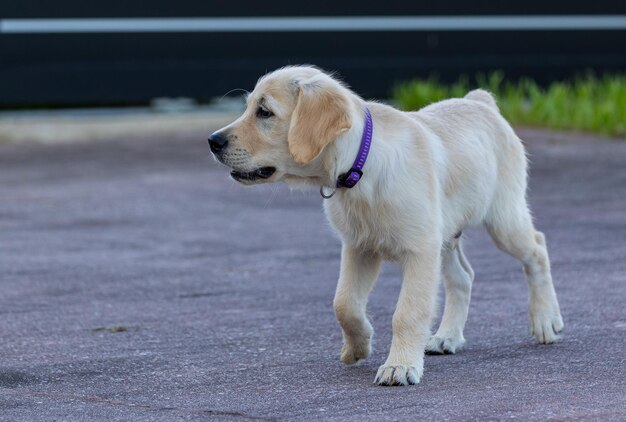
{"x": 132, "y": 68}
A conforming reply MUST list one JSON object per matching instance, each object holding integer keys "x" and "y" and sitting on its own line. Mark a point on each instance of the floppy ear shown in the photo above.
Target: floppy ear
{"x": 321, "y": 114}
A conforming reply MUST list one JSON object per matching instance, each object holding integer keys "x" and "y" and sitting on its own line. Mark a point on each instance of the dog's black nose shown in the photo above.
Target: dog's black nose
{"x": 218, "y": 142}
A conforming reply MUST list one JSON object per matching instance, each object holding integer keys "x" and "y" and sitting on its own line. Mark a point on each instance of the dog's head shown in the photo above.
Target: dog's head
{"x": 291, "y": 116}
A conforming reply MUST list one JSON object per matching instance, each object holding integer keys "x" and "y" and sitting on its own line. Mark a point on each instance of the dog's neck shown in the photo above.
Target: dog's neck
{"x": 340, "y": 157}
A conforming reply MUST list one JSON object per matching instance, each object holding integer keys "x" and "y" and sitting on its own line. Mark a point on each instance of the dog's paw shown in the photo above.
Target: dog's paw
{"x": 546, "y": 326}
{"x": 354, "y": 351}
{"x": 396, "y": 375}
{"x": 446, "y": 345}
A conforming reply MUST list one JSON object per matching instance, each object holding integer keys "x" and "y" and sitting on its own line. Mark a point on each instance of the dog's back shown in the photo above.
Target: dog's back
{"x": 471, "y": 138}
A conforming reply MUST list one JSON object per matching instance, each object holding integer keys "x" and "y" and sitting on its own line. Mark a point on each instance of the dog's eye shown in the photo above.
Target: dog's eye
{"x": 263, "y": 113}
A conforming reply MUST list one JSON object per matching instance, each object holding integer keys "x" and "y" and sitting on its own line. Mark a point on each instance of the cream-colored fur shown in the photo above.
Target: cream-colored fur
{"x": 429, "y": 175}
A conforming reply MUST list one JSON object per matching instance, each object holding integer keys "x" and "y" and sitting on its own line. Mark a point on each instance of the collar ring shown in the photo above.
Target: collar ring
{"x": 327, "y": 196}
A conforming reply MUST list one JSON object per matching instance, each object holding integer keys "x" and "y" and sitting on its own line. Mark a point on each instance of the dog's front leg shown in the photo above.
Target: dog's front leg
{"x": 411, "y": 320}
{"x": 359, "y": 271}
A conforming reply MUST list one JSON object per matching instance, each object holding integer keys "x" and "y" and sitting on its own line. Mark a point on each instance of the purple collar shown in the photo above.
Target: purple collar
{"x": 352, "y": 176}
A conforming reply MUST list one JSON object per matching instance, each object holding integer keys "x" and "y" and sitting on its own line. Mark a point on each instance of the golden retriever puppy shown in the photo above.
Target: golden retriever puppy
{"x": 402, "y": 187}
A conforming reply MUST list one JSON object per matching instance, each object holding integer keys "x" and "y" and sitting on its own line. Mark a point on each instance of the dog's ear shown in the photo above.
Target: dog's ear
{"x": 320, "y": 116}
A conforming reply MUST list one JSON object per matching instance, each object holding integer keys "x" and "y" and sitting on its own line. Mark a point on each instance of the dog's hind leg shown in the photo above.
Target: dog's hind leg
{"x": 359, "y": 272}
{"x": 510, "y": 225}
{"x": 457, "y": 276}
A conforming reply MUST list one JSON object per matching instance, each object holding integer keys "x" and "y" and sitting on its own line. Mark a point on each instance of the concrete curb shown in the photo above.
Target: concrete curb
{"x": 59, "y": 127}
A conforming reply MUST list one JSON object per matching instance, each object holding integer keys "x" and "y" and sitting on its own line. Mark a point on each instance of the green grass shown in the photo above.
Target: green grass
{"x": 589, "y": 103}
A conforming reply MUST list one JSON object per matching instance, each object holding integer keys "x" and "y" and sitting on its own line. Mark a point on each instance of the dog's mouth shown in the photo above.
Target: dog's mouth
{"x": 251, "y": 176}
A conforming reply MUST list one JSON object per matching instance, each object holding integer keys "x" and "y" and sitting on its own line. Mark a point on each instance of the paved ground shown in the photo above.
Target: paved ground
{"x": 138, "y": 283}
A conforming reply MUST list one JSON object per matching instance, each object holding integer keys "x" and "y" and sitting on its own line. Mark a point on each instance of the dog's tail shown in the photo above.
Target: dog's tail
{"x": 484, "y": 97}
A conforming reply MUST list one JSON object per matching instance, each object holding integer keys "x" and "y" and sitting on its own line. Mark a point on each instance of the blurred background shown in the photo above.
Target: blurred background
{"x": 70, "y": 53}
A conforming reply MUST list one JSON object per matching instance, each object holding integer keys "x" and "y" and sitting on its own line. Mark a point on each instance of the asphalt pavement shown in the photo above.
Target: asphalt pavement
{"x": 137, "y": 282}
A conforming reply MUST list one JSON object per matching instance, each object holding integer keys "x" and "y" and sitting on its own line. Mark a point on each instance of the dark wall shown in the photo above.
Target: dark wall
{"x": 116, "y": 68}
{"x": 166, "y": 8}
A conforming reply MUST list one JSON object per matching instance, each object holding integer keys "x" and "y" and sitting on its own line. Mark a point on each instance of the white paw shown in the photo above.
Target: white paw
{"x": 546, "y": 326}
{"x": 354, "y": 351}
{"x": 398, "y": 375}
{"x": 444, "y": 345}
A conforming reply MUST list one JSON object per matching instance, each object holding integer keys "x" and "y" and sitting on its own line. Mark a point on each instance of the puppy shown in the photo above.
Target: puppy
{"x": 399, "y": 186}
